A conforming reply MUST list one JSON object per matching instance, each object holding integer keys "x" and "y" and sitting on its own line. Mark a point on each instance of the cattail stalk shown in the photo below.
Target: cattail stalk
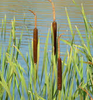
{"x": 35, "y": 18}
{"x": 35, "y": 39}
{"x": 59, "y": 83}
{"x": 53, "y": 7}
{"x": 54, "y": 25}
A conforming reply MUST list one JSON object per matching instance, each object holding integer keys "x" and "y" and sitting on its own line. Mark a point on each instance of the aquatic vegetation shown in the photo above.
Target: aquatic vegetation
{"x": 69, "y": 83}
{"x": 54, "y": 26}
{"x": 59, "y": 66}
{"x": 35, "y": 39}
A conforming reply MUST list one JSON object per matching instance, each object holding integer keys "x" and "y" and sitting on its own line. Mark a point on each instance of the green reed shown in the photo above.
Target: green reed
{"x": 84, "y": 57}
{"x": 2, "y": 29}
{"x": 29, "y": 84}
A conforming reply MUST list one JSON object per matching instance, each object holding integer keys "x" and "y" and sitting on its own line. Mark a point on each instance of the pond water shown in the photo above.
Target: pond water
{"x": 43, "y": 9}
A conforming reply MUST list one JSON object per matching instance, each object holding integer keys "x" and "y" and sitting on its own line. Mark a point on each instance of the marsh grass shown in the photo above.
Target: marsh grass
{"x": 29, "y": 84}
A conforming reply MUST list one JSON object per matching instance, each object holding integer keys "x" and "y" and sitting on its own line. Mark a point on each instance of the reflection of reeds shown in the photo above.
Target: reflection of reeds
{"x": 35, "y": 39}
{"x": 54, "y": 25}
{"x": 59, "y": 66}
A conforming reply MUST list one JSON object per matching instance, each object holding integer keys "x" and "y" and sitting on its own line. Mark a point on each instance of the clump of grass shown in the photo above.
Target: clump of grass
{"x": 86, "y": 92}
{"x": 84, "y": 49}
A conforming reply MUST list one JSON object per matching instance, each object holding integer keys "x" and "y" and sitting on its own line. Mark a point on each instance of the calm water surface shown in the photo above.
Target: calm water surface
{"x": 43, "y": 9}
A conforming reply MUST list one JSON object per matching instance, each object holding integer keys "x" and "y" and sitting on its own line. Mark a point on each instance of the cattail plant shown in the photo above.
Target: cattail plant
{"x": 59, "y": 83}
{"x": 54, "y": 26}
{"x": 35, "y": 39}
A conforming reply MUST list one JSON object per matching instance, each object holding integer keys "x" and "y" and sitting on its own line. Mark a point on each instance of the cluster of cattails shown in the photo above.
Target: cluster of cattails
{"x": 35, "y": 39}
{"x": 35, "y": 43}
{"x": 59, "y": 73}
{"x": 54, "y": 26}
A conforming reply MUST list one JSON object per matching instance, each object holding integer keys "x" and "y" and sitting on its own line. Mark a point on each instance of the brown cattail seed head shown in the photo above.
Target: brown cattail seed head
{"x": 54, "y": 25}
{"x": 59, "y": 83}
{"x": 35, "y": 44}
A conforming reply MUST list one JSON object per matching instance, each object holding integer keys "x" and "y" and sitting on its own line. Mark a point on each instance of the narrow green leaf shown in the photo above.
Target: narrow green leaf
{"x": 4, "y": 84}
{"x": 69, "y": 22}
{"x": 45, "y": 53}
